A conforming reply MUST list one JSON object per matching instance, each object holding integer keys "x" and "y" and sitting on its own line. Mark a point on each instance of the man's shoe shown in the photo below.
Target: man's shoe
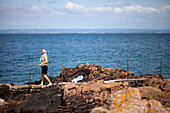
{"x": 50, "y": 84}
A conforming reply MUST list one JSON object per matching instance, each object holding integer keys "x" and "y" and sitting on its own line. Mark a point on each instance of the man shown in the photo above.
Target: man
{"x": 43, "y": 64}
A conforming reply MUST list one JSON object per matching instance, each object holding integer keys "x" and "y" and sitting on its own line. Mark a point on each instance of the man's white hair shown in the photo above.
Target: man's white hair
{"x": 44, "y": 50}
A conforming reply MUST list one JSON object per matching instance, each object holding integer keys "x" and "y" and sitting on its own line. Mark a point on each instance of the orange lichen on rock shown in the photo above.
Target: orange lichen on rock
{"x": 129, "y": 100}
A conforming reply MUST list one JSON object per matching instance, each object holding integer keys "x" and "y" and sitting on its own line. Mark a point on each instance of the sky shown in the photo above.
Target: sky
{"x": 84, "y": 14}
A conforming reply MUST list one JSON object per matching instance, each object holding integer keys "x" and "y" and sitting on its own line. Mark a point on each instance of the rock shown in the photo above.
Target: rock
{"x": 70, "y": 89}
{"x": 94, "y": 72}
{"x": 2, "y": 102}
{"x": 124, "y": 95}
{"x": 156, "y": 107}
{"x": 160, "y": 83}
{"x": 149, "y": 76}
{"x": 95, "y": 87}
{"x": 99, "y": 110}
{"x": 149, "y": 92}
{"x": 92, "y": 92}
{"x": 4, "y": 91}
{"x": 129, "y": 100}
{"x": 87, "y": 92}
{"x": 109, "y": 69}
{"x": 100, "y": 69}
{"x": 47, "y": 100}
{"x": 144, "y": 106}
{"x": 87, "y": 65}
{"x": 80, "y": 66}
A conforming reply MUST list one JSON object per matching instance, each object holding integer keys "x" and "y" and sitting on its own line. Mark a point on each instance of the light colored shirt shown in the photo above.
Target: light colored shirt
{"x": 44, "y": 58}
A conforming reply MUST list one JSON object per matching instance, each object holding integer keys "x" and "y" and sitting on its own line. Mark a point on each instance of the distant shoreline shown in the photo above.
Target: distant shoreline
{"x": 80, "y": 31}
{"x": 75, "y": 33}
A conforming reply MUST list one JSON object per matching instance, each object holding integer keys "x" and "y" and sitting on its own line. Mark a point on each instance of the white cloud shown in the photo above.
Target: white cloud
{"x": 150, "y": 9}
{"x": 32, "y": 10}
{"x": 127, "y": 9}
{"x": 103, "y": 9}
{"x": 35, "y": 8}
{"x": 27, "y": 10}
{"x": 117, "y": 10}
{"x": 140, "y": 9}
{"x": 75, "y": 7}
{"x": 133, "y": 9}
{"x": 136, "y": 8}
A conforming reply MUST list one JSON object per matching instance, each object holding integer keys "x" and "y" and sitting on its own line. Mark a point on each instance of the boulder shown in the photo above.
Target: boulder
{"x": 47, "y": 100}
{"x": 129, "y": 100}
{"x": 80, "y": 66}
{"x": 156, "y": 107}
{"x": 124, "y": 95}
{"x": 88, "y": 94}
{"x": 4, "y": 91}
{"x": 149, "y": 92}
{"x": 89, "y": 73}
{"x": 2, "y": 102}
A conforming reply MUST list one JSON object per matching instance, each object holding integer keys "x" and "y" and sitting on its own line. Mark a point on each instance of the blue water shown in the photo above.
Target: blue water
{"x": 17, "y": 51}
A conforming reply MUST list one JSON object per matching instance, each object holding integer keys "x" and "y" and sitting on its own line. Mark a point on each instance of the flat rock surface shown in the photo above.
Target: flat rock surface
{"x": 46, "y": 100}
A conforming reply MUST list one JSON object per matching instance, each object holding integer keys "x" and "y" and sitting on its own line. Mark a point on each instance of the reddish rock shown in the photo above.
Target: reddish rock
{"x": 129, "y": 100}
{"x": 47, "y": 100}
{"x": 149, "y": 92}
{"x": 91, "y": 92}
{"x": 156, "y": 107}
{"x": 80, "y": 66}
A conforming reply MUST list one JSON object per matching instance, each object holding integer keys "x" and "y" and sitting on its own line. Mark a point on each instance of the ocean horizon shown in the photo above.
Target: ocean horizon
{"x": 81, "y": 31}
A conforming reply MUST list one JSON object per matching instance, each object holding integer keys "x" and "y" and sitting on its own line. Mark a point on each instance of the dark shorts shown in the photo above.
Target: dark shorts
{"x": 44, "y": 69}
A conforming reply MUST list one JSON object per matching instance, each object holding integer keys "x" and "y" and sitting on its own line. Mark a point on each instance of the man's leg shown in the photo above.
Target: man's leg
{"x": 42, "y": 79}
{"x": 45, "y": 76}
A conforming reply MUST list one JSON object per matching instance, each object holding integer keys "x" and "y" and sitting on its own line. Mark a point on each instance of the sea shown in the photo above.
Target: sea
{"x": 140, "y": 53}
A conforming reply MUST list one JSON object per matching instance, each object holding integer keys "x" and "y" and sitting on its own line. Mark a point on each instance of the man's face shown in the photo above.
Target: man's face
{"x": 42, "y": 52}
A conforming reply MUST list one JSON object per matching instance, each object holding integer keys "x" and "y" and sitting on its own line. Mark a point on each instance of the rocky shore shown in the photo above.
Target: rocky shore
{"x": 101, "y": 90}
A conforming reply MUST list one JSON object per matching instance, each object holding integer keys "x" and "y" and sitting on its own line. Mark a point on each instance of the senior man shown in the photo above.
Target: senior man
{"x": 43, "y": 64}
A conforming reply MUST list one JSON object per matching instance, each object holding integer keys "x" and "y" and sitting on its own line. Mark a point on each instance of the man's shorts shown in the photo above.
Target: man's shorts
{"x": 44, "y": 69}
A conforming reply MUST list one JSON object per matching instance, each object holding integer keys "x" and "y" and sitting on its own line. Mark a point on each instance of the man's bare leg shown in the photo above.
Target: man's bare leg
{"x": 44, "y": 75}
{"x": 42, "y": 79}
